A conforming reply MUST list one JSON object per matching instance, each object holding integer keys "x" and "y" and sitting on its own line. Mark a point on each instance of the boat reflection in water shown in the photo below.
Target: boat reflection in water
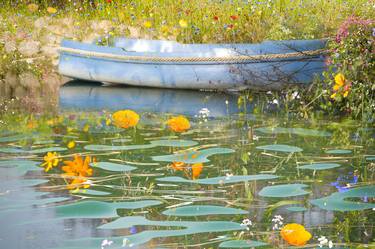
{"x": 78, "y": 95}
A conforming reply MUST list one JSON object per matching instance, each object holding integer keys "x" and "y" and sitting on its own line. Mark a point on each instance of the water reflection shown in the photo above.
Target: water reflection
{"x": 78, "y": 95}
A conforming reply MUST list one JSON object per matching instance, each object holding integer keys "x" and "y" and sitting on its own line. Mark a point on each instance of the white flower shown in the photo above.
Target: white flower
{"x": 247, "y": 222}
{"x": 275, "y": 101}
{"x": 226, "y": 102}
{"x": 106, "y": 243}
{"x": 278, "y": 222}
{"x": 324, "y": 241}
{"x": 330, "y": 244}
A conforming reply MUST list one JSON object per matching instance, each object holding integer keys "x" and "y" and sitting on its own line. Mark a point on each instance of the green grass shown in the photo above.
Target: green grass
{"x": 210, "y": 21}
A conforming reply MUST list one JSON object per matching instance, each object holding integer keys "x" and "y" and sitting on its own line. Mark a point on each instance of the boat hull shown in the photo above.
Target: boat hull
{"x": 263, "y": 74}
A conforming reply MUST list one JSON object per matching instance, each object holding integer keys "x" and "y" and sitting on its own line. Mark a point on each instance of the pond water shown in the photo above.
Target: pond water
{"x": 154, "y": 188}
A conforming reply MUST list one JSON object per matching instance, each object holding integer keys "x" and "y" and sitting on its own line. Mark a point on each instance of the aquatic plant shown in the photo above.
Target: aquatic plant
{"x": 125, "y": 119}
{"x": 178, "y": 124}
{"x": 295, "y": 234}
{"x": 77, "y": 171}
{"x": 51, "y": 159}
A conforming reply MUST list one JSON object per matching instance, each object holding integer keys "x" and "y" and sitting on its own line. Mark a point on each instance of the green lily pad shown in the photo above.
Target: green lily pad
{"x": 371, "y": 158}
{"x": 280, "y": 148}
{"x": 91, "y": 192}
{"x": 36, "y": 151}
{"x": 185, "y": 228}
{"x": 338, "y": 152}
{"x": 297, "y": 131}
{"x": 99, "y": 209}
{"x": 192, "y": 156}
{"x": 320, "y": 166}
{"x": 113, "y": 166}
{"x": 218, "y": 180}
{"x": 198, "y": 210}
{"x": 241, "y": 244}
{"x": 284, "y": 190}
{"x": 152, "y": 144}
{"x": 337, "y": 202}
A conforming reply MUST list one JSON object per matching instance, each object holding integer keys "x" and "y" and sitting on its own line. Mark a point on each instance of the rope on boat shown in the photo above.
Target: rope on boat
{"x": 223, "y": 59}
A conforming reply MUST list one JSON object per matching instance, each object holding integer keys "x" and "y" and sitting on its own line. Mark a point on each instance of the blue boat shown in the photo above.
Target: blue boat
{"x": 168, "y": 64}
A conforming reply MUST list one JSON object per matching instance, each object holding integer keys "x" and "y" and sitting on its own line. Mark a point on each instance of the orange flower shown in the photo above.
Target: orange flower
{"x": 125, "y": 118}
{"x": 77, "y": 171}
{"x": 78, "y": 167}
{"x": 295, "y": 234}
{"x": 178, "y": 124}
{"x": 177, "y": 165}
{"x": 196, "y": 170}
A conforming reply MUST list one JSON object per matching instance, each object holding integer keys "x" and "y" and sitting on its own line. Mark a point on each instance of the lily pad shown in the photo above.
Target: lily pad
{"x": 338, "y": 152}
{"x": 284, "y": 190}
{"x": 337, "y": 202}
{"x": 280, "y": 148}
{"x": 297, "y": 131}
{"x": 152, "y": 144}
{"x": 198, "y": 210}
{"x": 113, "y": 166}
{"x": 320, "y": 166}
{"x": 218, "y": 180}
{"x": 185, "y": 228}
{"x": 91, "y": 192}
{"x": 241, "y": 244}
{"x": 99, "y": 209}
{"x": 193, "y": 156}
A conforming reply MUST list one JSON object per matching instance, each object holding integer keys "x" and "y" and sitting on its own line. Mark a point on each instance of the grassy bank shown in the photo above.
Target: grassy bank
{"x": 200, "y": 21}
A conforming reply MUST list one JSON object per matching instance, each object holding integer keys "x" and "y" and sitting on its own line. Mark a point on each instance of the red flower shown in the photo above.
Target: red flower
{"x": 234, "y": 17}
{"x": 109, "y": 1}
{"x": 216, "y": 18}
{"x": 230, "y": 26}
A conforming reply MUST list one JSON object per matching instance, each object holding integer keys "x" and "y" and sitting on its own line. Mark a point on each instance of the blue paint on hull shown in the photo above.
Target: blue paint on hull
{"x": 272, "y": 74}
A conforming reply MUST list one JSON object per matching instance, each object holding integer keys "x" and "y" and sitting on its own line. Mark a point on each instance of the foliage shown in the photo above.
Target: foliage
{"x": 347, "y": 86}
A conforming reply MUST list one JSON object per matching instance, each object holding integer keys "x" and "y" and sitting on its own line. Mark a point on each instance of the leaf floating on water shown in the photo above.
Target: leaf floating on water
{"x": 190, "y": 227}
{"x": 297, "y": 131}
{"x": 280, "y": 148}
{"x": 320, "y": 166}
{"x": 36, "y": 151}
{"x": 113, "y": 166}
{"x": 218, "y": 180}
{"x": 284, "y": 190}
{"x": 241, "y": 244}
{"x": 198, "y": 210}
{"x": 337, "y": 202}
{"x": 99, "y": 209}
{"x": 193, "y": 156}
{"x": 153, "y": 144}
{"x": 91, "y": 192}
{"x": 338, "y": 151}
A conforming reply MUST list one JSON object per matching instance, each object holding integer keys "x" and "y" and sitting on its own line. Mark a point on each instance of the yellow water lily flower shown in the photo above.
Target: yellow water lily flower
{"x": 71, "y": 145}
{"x": 86, "y": 128}
{"x": 178, "y": 124}
{"x": 51, "y": 159}
{"x": 295, "y": 234}
{"x": 125, "y": 118}
{"x": 183, "y": 23}
{"x": 51, "y": 10}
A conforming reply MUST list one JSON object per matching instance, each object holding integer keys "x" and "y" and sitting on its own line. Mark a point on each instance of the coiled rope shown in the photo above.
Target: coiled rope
{"x": 186, "y": 59}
